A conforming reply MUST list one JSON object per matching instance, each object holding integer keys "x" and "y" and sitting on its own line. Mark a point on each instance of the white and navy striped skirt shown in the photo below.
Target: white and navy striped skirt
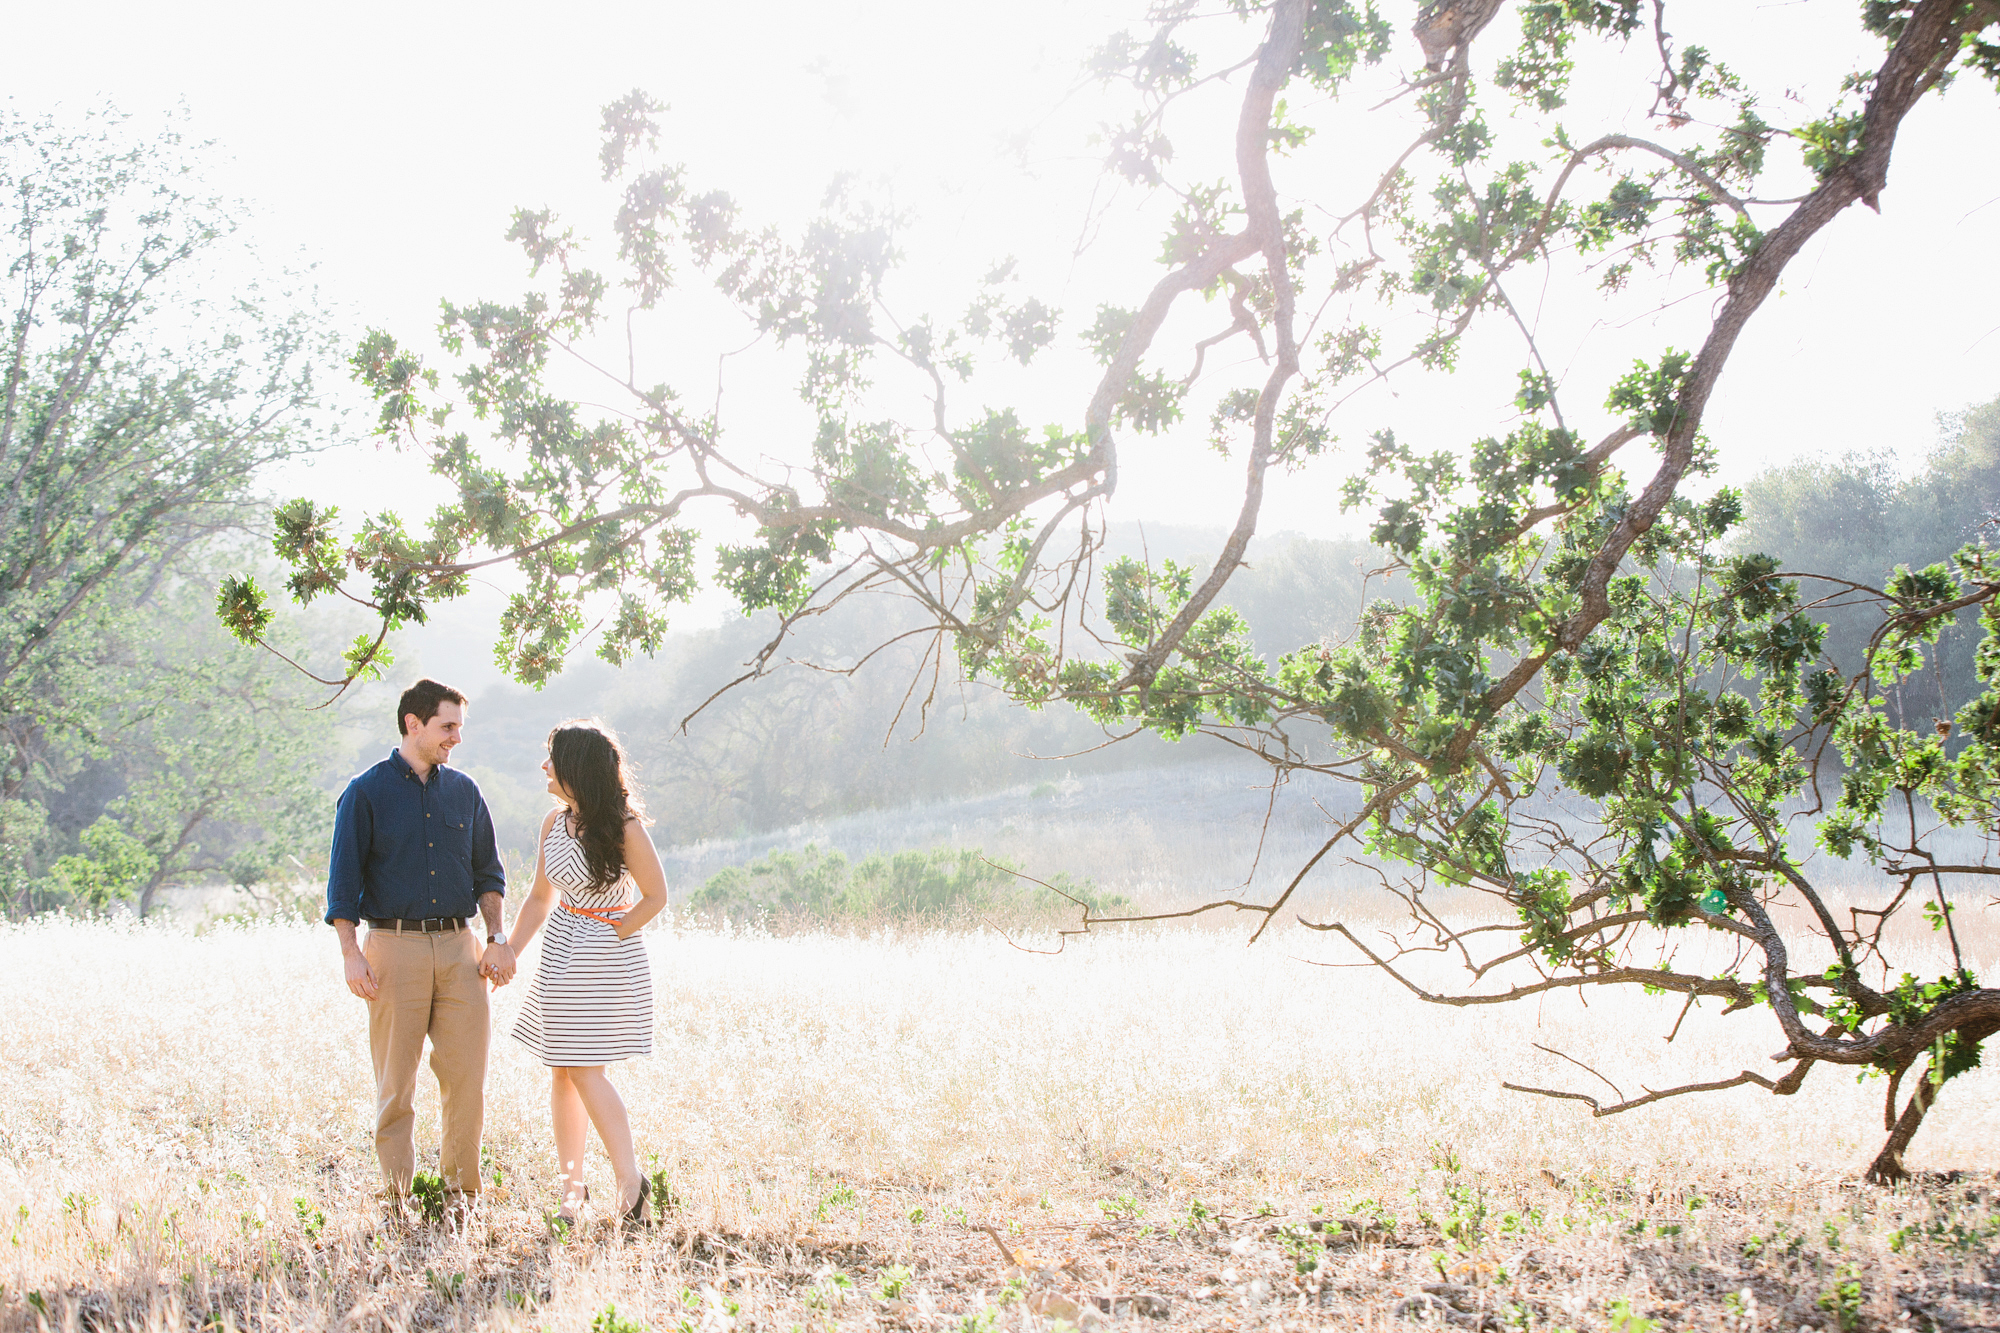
{"x": 591, "y": 1000}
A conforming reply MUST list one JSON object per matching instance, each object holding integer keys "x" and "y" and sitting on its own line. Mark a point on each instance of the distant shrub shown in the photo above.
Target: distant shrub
{"x": 898, "y": 886}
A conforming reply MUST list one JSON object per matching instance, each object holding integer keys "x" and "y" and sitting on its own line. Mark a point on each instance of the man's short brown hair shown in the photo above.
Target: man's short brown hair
{"x": 424, "y": 699}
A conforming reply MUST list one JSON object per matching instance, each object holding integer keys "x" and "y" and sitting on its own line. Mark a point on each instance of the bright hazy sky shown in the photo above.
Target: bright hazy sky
{"x": 387, "y": 145}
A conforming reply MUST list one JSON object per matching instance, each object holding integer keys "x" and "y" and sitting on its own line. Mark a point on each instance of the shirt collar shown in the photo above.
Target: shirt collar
{"x": 403, "y": 765}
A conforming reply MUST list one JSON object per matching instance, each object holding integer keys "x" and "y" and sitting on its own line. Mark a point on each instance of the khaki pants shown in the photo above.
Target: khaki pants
{"x": 428, "y": 986}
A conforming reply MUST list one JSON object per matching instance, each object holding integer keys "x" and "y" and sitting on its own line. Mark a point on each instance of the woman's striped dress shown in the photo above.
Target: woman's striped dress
{"x": 591, "y": 1001}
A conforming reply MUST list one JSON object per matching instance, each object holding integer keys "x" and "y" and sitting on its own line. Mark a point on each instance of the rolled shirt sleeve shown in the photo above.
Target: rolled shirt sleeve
{"x": 488, "y": 874}
{"x": 353, "y": 822}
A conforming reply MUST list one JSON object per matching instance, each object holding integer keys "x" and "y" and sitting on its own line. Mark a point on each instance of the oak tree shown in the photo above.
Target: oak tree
{"x": 1588, "y": 708}
{"x": 141, "y": 390}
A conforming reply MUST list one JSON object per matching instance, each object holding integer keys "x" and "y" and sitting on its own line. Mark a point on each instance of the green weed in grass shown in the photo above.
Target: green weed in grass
{"x": 312, "y": 1221}
{"x": 1124, "y": 1208}
{"x": 608, "y": 1320}
{"x": 427, "y": 1195}
{"x": 1843, "y": 1299}
{"x": 1624, "y": 1319}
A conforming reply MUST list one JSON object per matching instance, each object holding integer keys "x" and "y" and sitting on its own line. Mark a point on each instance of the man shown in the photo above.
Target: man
{"x": 413, "y": 859}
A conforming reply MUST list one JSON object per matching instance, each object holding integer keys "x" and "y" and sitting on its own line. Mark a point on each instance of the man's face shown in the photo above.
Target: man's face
{"x": 433, "y": 740}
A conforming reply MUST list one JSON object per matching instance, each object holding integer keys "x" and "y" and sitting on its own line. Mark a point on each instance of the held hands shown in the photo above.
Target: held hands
{"x": 497, "y": 964}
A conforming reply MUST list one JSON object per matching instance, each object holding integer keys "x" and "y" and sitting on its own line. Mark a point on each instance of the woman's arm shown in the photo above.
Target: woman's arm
{"x": 541, "y": 898}
{"x": 643, "y": 864}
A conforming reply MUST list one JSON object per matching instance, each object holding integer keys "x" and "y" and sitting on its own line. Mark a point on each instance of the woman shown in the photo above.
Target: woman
{"x": 591, "y": 1000}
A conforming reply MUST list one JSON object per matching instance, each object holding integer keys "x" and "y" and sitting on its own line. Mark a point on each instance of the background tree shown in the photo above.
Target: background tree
{"x": 862, "y": 716}
{"x": 1564, "y": 625}
{"x": 221, "y": 764}
{"x": 140, "y": 392}
{"x": 1855, "y": 518}
{"x": 199, "y": 766}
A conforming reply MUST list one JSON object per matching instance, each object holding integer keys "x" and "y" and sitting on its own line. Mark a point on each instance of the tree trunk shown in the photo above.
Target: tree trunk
{"x": 146, "y": 894}
{"x": 1887, "y": 1168}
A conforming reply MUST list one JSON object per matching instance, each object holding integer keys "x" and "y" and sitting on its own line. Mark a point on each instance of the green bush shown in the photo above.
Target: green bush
{"x": 112, "y": 869}
{"x": 898, "y": 886}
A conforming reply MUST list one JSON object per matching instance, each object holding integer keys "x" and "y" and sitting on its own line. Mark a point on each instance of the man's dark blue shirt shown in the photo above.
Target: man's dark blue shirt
{"x": 404, "y": 847}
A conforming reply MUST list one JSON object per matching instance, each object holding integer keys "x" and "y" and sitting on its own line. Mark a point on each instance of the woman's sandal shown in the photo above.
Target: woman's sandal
{"x": 637, "y": 1212}
{"x": 570, "y": 1219}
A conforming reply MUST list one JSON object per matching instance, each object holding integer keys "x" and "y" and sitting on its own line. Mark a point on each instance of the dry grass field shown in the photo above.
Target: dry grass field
{"x": 935, "y": 1130}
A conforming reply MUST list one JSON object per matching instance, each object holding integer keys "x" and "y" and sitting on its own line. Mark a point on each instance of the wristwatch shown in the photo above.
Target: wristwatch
{"x": 497, "y": 937}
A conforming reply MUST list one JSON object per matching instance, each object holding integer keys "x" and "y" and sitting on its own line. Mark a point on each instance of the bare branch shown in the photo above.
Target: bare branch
{"x": 1596, "y": 1109}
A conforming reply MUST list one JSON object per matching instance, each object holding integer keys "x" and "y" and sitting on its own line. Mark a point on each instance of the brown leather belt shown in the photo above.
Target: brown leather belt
{"x": 430, "y": 925}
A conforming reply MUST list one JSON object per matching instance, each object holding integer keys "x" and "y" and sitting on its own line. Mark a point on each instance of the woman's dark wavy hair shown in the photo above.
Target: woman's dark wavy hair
{"x": 591, "y": 765}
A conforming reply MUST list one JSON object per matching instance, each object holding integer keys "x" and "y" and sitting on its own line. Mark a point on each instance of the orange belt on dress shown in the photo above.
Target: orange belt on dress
{"x": 603, "y": 914}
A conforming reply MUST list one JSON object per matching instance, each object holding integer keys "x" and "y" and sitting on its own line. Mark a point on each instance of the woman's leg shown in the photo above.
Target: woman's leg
{"x": 607, "y": 1112}
{"x": 566, "y": 1111}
